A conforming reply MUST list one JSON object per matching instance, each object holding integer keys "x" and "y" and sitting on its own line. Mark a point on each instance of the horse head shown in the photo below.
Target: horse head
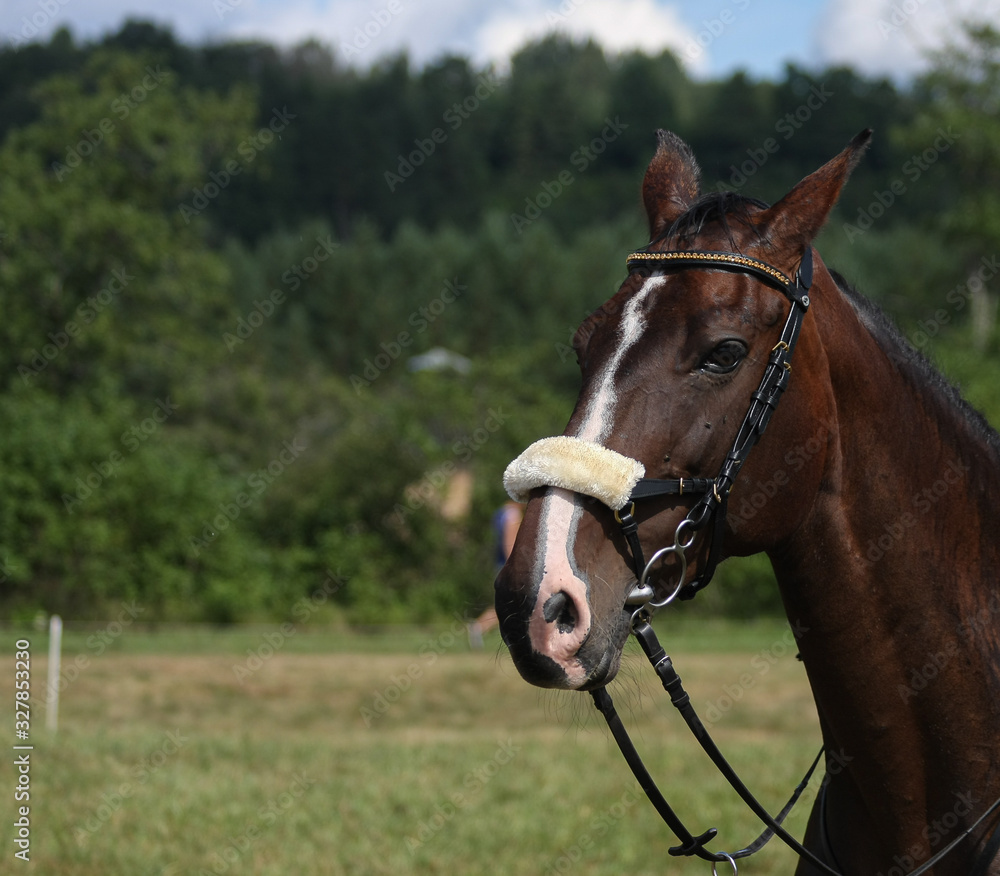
{"x": 669, "y": 366}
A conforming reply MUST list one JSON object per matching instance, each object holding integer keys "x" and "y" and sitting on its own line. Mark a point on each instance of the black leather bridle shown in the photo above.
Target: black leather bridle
{"x": 711, "y": 508}
{"x": 714, "y": 492}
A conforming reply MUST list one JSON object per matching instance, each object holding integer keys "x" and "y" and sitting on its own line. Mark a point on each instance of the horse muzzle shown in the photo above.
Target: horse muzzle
{"x": 552, "y": 638}
{"x": 544, "y": 601}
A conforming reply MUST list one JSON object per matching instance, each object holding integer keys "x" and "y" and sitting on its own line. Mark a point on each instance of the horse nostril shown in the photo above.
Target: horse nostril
{"x": 560, "y": 609}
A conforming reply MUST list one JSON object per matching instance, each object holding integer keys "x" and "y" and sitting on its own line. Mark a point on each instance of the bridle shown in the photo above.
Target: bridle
{"x": 710, "y": 510}
{"x": 714, "y": 492}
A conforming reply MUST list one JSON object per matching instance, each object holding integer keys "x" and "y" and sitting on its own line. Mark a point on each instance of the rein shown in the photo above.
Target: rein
{"x": 711, "y": 508}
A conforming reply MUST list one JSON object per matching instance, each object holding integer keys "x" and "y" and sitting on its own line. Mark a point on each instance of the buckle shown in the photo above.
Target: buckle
{"x": 628, "y": 514}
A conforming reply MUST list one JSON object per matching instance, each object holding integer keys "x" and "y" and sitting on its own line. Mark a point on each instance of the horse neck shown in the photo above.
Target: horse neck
{"x": 892, "y": 580}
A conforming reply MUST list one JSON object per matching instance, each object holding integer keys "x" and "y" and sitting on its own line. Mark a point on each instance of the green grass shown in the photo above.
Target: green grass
{"x": 691, "y": 633}
{"x": 396, "y": 751}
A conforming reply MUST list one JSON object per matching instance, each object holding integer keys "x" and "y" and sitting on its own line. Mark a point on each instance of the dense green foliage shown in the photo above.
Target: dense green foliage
{"x": 217, "y": 262}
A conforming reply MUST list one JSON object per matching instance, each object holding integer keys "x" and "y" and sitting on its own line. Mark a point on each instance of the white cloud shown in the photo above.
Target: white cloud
{"x": 617, "y": 25}
{"x": 365, "y": 30}
{"x": 893, "y": 37}
{"x": 486, "y": 33}
{"x": 359, "y": 30}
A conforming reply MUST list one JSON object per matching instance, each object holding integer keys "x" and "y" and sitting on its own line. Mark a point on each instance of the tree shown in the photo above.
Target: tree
{"x": 959, "y": 126}
{"x": 114, "y": 309}
{"x": 104, "y": 273}
{"x": 556, "y": 100}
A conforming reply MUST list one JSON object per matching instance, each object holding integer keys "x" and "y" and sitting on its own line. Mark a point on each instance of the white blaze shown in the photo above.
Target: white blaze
{"x": 561, "y": 509}
{"x": 601, "y": 408}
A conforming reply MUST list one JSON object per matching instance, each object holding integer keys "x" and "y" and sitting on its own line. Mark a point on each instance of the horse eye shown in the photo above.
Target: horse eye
{"x": 724, "y": 358}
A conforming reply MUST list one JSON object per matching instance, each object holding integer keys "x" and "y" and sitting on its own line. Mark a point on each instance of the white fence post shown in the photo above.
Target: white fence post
{"x": 55, "y": 652}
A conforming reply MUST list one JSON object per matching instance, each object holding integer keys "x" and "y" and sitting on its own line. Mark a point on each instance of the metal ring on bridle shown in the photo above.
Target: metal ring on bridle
{"x": 678, "y": 548}
{"x": 673, "y": 549}
{"x": 732, "y": 863}
{"x": 687, "y": 521}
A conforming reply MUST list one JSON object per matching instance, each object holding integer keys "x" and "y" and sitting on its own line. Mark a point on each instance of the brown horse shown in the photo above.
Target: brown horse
{"x": 874, "y": 493}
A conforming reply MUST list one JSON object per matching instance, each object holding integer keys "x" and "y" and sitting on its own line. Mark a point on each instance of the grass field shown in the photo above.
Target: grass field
{"x": 271, "y": 751}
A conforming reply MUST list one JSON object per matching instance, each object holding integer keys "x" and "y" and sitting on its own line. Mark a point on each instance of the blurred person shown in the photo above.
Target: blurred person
{"x": 506, "y": 522}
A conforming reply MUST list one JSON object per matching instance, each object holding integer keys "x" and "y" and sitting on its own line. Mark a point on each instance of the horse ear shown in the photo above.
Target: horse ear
{"x": 797, "y": 218}
{"x": 671, "y": 182}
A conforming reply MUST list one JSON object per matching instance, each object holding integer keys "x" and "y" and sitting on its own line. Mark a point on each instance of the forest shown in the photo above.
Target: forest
{"x": 275, "y": 324}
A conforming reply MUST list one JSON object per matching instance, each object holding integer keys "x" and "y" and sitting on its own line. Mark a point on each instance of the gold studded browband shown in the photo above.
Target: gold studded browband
{"x": 708, "y": 258}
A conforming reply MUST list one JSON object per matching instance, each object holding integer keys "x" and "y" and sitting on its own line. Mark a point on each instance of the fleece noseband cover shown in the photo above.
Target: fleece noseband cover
{"x": 577, "y": 465}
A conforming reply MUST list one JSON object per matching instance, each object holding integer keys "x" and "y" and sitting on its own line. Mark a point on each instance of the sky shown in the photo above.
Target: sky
{"x": 713, "y": 38}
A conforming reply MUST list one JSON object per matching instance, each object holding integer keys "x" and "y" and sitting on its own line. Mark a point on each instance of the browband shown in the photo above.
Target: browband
{"x": 794, "y": 289}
